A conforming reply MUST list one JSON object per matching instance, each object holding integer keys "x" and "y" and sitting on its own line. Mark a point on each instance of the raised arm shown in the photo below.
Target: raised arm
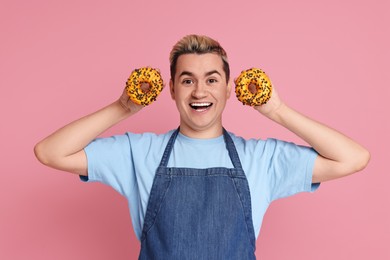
{"x": 339, "y": 155}
{"x": 64, "y": 149}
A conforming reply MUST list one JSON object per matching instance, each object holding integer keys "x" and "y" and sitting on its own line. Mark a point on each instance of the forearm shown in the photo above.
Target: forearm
{"x": 73, "y": 137}
{"x": 343, "y": 155}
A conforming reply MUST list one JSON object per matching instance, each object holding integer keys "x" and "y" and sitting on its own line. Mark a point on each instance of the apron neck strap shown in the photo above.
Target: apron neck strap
{"x": 232, "y": 150}
{"x": 229, "y": 146}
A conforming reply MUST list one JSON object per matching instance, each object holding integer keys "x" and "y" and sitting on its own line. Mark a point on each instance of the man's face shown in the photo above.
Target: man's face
{"x": 200, "y": 91}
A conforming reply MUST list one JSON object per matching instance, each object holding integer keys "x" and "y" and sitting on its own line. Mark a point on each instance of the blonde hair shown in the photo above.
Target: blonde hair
{"x": 197, "y": 44}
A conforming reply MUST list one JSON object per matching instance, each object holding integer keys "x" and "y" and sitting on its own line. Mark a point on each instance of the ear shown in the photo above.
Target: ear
{"x": 172, "y": 89}
{"x": 229, "y": 89}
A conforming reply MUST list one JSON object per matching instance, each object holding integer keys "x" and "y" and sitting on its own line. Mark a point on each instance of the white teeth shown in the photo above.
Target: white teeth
{"x": 200, "y": 104}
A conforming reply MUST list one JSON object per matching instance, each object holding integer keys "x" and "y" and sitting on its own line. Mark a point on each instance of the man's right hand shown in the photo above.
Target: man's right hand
{"x": 127, "y": 104}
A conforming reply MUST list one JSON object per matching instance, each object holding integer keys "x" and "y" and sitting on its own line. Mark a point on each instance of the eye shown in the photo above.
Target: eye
{"x": 187, "y": 81}
{"x": 212, "y": 80}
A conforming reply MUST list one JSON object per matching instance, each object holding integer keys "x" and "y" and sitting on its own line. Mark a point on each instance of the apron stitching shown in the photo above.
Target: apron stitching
{"x": 240, "y": 198}
{"x": 153, "y": 214}
{"x": 178, "y": 171}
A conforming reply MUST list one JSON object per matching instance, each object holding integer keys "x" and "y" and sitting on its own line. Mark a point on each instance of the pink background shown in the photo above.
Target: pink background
{"x": 60, "y": 60}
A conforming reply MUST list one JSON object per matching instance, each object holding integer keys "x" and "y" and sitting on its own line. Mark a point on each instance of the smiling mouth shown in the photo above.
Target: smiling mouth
{"x": 201, "y": 106}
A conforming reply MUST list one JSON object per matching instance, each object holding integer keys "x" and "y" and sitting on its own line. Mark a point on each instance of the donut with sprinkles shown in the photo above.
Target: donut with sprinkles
{"x": 141, "y": 76}
{"x": 253, "y": 87}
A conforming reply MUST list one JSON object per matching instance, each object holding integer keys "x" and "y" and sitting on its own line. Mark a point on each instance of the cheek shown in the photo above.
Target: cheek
{"x": 179, "y": 96}
{"x": 224, "y": 94}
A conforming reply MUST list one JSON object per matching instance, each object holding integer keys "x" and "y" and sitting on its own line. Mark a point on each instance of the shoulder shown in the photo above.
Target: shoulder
{"x": 148, "y": 138}
{"x": 247, "y": 145}
{"x": 147, "y": 145}
{"x": 125, "y": 142}
{"x": 268, "y": 148}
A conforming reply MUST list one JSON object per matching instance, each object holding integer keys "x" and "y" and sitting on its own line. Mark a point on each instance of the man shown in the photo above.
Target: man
{"x": 200, "y": 191}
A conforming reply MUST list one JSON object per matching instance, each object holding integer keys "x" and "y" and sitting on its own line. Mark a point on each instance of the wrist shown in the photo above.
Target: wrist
{"x": 274, "y": 112}
{"x": 122, "y": 110}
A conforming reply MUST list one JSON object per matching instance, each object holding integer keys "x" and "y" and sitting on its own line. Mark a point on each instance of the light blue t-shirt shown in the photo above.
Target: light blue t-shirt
{"x": 274, "y": 168}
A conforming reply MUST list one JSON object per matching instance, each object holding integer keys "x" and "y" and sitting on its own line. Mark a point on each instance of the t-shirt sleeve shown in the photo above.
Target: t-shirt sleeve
{"x": 109, "y": 162}
{"x": 290, "y": 168}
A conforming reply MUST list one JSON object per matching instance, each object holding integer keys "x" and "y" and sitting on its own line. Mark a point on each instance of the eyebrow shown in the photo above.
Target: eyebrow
{"x": 212, "y": 72}
{"x": 187, "y": 73}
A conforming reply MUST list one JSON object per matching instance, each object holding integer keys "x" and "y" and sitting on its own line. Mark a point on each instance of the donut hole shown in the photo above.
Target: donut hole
{"x": 252, "y": 88}
{"x": 145, "y": 87}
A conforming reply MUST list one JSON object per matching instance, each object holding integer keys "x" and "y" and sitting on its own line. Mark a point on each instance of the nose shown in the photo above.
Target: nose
{"x": 199, "y": 91}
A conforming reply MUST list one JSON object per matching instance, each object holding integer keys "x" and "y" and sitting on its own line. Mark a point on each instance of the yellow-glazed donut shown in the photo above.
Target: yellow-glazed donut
{"x": 137, "y": 78}
{"x": 262, "y": 83}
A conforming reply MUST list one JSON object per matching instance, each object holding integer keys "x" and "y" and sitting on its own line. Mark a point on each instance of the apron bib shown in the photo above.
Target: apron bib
{"x": 199, "y": 213}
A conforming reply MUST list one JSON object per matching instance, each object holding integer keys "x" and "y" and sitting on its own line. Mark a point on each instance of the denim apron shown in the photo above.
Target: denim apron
{"x": 199, "y": 213}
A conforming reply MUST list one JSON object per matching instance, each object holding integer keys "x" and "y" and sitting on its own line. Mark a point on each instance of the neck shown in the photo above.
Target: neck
{"x": 201, "y": 133}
